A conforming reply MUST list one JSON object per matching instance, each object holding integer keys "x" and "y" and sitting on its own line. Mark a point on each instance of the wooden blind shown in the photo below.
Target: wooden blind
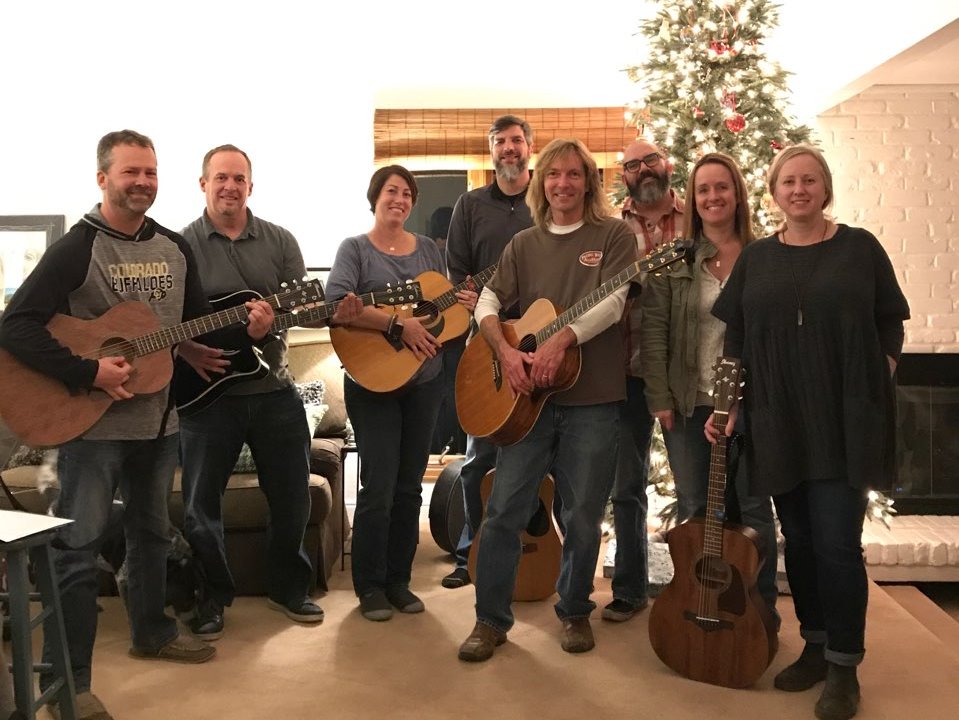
{"x": 406, "y": 133}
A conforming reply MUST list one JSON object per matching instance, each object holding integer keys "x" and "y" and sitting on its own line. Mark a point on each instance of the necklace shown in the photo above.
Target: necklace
{"x": 792, "y": 271}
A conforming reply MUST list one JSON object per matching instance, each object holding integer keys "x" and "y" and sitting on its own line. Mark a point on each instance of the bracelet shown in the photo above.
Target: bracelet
{"x": 391, "y": 325}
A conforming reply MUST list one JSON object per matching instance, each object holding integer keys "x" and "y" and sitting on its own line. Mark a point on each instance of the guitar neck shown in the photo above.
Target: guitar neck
{"x": 324, "y": 311}
{"x": 168, "y": 337}
{"x": 716, "y": 491}
{"x": 657, "y": 259}
{"x": 476, "y": 282}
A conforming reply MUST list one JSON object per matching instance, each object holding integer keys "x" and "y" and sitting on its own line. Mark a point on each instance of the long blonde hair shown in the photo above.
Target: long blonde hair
{"x": 596, "y": 207}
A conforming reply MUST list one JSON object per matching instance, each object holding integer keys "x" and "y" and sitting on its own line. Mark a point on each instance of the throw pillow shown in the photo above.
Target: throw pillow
{"x": 312, "y": 392}
{"x": 25, "y": 455}
{"x": 314, "y": 415}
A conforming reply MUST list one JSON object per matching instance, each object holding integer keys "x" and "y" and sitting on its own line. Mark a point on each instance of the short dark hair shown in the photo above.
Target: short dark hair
{"x": 508, "y": 121}
{"x": 224, "y": 148}
{"x": 119, "y": 137}
{"x": 379, "y": 180}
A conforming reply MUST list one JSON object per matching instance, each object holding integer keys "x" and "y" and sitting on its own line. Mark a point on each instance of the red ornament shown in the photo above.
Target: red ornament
{"x": 775, "y": 146}
{"x": 719, "y": 47}
{"x": 736, "y": 123}
{"x": 729, "y": 100}
{"x": 698, "y": 113}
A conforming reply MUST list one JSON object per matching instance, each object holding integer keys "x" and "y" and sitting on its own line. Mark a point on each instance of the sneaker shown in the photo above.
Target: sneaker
{"x": 305, "y": 611}
{"x": 577, "y": 635}
{"x": 181, "y": 649}
{"x": 622, "y": 610}
{"x": 88, "y": 707}
{"x": 481, "y": 643}
{"x": 403, "y": 600}
{"x": 456, "y": 579}
{"x": 375, "y": 606}
{"x": 208, "y": 623}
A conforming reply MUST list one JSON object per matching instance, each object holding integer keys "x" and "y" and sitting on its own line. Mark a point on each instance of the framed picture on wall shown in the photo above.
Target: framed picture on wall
{"x": 24, "y": 239}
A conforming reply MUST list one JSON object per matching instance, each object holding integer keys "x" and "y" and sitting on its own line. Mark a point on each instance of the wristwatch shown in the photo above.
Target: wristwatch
{"x": 395, "y": 331}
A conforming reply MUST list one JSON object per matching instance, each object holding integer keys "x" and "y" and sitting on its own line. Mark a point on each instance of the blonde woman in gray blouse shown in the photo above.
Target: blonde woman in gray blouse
{"x": 680, "y": 340}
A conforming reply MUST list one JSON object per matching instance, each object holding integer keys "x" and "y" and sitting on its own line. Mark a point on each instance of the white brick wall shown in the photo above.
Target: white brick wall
{"x": 894, "y": 154}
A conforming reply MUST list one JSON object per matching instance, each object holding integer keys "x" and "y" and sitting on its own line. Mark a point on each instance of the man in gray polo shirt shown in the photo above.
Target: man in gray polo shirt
{"x": 237, "y": 251}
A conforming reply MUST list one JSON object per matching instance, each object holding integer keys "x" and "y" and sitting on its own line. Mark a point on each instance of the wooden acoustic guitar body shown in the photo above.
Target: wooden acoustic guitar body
{"x": 381, "y": 366}
{"x": 541, "y": 555}
{"x": 710, "y": 624}
{"x": 42, "y": 412}
{"x": 485, "y": 404}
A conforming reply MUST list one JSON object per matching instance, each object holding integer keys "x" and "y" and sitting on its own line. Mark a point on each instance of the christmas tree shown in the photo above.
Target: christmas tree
{"x": 707, "y": 86}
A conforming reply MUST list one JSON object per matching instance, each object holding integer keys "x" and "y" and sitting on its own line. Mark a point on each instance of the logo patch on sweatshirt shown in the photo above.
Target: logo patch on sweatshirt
{"x": 591, "y": 258}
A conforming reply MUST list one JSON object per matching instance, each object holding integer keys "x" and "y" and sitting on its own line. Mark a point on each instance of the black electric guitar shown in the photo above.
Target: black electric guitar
{"x": 710, "y": 623}
{"x": 193, "y": 393}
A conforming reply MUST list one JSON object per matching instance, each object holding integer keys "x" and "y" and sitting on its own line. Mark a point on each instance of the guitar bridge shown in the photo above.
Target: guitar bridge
{"x": 497, "y": 374}
{"x": 708, "y": 624}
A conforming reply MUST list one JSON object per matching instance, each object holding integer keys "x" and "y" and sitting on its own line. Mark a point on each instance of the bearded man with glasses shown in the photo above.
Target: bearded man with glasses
{"x": 655, "y": 215}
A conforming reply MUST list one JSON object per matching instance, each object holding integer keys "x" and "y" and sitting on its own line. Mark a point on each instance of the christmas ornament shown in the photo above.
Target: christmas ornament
{"x": 729, "y": 100}
{"x": 776, "y": 146}
{"x": 736, "y": 123}
{"x": 698, "y": 113}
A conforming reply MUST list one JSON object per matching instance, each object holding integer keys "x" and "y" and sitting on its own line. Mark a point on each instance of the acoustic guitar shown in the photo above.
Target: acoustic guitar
{"x": 710, "y": 623}
{"x": 485, "y": 402}
{"x": 380, "y": 365}
{"x": 40, "y": 409}
{"x": 542, "y": 545}
{"x": 193, "y": 393}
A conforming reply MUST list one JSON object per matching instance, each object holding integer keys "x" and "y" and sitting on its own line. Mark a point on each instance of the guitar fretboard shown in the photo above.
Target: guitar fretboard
{"x": 448, "y": 299}
{"x": 716, "y": 491}
{"x": 328, "y": 309}
{"x": 660, "y": 258}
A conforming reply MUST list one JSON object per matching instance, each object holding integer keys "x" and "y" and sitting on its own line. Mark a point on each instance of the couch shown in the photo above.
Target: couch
{"x": 245, "y": 512}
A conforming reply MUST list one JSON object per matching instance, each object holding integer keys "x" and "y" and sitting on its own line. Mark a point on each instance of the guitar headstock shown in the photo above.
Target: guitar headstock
{"x": 295, "y": 294}
{"x": 664, "y": 256}
{"x": 727, "y": 383}
{"x": 408, "y": 292}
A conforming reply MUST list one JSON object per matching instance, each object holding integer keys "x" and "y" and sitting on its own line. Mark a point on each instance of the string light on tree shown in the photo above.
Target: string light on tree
{"x": 707, "y": 85}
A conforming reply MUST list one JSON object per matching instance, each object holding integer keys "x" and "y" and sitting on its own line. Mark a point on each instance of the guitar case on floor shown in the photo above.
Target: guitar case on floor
{"x": 447, "y": 514}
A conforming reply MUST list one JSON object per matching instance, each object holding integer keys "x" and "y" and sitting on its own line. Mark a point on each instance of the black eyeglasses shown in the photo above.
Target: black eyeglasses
{"x": 651, "y": 160}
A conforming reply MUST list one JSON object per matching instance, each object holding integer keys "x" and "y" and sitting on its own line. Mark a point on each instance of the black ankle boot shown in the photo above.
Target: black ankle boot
{"x": 808, "y": 670}
{"x": 840, "y": 697}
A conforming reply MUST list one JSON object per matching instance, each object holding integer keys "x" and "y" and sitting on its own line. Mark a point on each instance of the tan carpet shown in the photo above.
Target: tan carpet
{"x": 348, "y": 667}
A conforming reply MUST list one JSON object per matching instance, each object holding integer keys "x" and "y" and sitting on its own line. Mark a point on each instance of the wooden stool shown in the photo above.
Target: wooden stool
{"x": 37, "y": 548}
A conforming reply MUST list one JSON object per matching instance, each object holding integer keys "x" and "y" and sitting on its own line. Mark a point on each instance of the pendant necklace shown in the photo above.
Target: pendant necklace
{"x": 812, "y": 270}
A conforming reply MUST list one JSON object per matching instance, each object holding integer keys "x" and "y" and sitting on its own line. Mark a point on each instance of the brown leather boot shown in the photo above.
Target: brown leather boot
{"x": 577, "y": 635}
{"x": 481, "y": 643}
{"x": 808, "y": 670}
{"x": 840, "y": 697}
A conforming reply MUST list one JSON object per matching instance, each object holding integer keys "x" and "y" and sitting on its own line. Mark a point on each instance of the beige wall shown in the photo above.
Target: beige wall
{"x": 894, "y": 152}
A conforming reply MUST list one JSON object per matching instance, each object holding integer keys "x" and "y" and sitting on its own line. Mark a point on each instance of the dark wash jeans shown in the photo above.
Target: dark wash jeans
{"x": 630, "y": 504}
{"x": 393, "y": 435}
{"x": 90, "y": 473}
{"x": 274, "y": 425}
{"x": 480, "y": 459}
{"x": 822, "y": 523}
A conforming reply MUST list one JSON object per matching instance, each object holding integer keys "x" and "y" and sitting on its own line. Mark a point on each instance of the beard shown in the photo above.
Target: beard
{"x": 645, "y": 194}
{"x": 122, "y": 198}
{"x": 509, "y": 173}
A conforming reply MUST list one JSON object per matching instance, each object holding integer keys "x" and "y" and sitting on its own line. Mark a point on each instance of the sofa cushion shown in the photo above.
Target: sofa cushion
{"x": 325, "y": 456}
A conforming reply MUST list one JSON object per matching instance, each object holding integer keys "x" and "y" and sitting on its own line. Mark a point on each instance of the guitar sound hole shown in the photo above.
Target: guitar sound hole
{"x": 427, "y": 309}
{"x": 119, "y": 346}
{"x": 713, "y": 574}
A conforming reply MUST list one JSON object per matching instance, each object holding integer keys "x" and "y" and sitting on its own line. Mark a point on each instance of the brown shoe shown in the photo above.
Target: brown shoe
{"x": 577, "y": 635}
{"x": 481, "y": 642}
{"x": 87, "y": 705}
{"x": 181, "y": 649}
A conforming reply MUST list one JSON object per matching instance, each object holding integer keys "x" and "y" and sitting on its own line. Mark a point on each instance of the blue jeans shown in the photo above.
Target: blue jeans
{"x": 480, "y": 459}
{"x": 822, "y": 523}
{"x": 689, "y": 453}
{"x": 631, "y": 575}
{"x": 577, "y": 444}
{"x": 393, "y": 434}
{"x": 90, "y": 474}
{"x": 274, "y": 426}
